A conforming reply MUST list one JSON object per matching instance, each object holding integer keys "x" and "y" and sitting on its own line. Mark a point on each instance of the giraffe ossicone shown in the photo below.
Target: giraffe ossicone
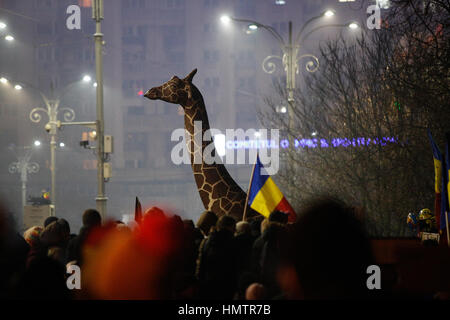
{"x": 218, "y": 190}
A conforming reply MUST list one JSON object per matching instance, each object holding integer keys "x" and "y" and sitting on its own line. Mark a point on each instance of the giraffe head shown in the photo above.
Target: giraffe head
{"x": 176, "y": 90}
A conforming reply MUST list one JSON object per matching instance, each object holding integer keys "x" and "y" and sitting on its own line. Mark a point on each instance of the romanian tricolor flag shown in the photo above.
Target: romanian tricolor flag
{"x": 437, "y": 157}
{"x": 264, "y": 195}
{"x": 445, "y": 205}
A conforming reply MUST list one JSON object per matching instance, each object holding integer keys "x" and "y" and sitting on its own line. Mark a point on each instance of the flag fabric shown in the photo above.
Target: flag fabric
{"x": 438, "y": 164}
{"x": 265, "y": 197}
{"x": 137, "y": 211}
{"x": 445, "y": 194}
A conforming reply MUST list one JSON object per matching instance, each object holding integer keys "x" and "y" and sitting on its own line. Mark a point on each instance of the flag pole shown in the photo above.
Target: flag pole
{"x": 446, "y": 227}
{"x": 248, "y": 190}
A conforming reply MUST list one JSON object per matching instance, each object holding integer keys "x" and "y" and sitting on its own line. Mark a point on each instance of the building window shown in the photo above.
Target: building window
{"x": 136, "y": 110}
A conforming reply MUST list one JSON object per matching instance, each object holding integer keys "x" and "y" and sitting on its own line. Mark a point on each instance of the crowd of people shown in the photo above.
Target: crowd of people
{"x": 323, "y": 255}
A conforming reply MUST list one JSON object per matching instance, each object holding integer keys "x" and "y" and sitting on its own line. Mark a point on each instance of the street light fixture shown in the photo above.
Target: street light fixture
{"x": 290, "y": 48}
{"x": 9, "y": 38}
{"x": 52, "y": 110}
{"x": 225, "y": 19}
{"x": 37, "y": 143}
{"x": 353, "y": 26}
{"x": 18, "y": 87}
{"x": 3, "y": 80}
{"x": 2, "y": 25}
{"x": 23, "y": 166}
{"x": 87, "y": 78}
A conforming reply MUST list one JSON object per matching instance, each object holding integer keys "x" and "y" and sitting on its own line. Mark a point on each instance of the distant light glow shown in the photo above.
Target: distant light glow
{"x": 9, "y": 38}
{"x": 329, "y": 13}
{"x": 37, "y": 143}
{"x": 3, "y": 80}
{"x": 225, "y": 19}
{"x": 281, "y": 109}
{"x": 95, "y": 84}
{"x": 383, "y": 4}
{"x": 18, "y": 87}
{"x": 280, "y": 2}
{"x": 140, "y": 93}
{"x": 87, "y": 78}
{"x": 62, "y": 144}
{"x": 353, "y": 26}
{"x": 311, "y": 143}
{"x": 219, "y": 143}
{"x": 253, "y": 27}
{"x": 2, "y": 25}
{"x": 314, "y": 133}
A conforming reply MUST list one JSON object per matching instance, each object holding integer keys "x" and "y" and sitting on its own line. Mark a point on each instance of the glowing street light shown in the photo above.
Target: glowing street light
{"x": 37, "y": 143}
{"x": 18, "y": 87}
{"x": 253, "y": 27}
{"x": 353, "y": 26}
{"x": 87, "y": 78}
{"x": 2, "y": 25}
{"x": 62, "y": 144}
{"x": 9, "y": 38}
{"x": 3, "y": 80}
{"x": 225, "y": 19}
{"x": 329, "y": 13}
{"x": 95, "y": 84}
{"x": 219, "y": 143}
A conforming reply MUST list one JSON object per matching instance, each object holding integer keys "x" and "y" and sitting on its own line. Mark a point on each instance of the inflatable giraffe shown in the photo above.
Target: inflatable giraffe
{"x": 218, "y": 191}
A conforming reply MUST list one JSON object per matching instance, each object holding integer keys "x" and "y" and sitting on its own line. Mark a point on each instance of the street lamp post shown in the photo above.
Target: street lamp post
{"x": 52, "y": 110}
{"x": 24, "y": 166}
{"x": 290, "y": 58}
{"x": 97, "y": 15}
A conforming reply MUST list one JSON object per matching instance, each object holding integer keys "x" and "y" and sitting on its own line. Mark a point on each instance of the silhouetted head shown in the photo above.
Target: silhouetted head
{"x": 207, "y": 220}
{"x": 226, "y": 223}
{"x": 91, "y": 218}
{"x": 50, "y": 220}
{"x": 327, "y": 252}
{"x": 176, "y": 90}
{"x": 278, "y": 216}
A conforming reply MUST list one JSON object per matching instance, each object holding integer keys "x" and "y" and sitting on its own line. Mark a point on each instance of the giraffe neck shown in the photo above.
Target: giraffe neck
{"x": 218, "y": 190}
{"x": 195, "y": 111}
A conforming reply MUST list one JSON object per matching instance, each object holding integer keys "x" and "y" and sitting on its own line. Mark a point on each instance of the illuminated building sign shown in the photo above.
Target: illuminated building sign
{"x": 310, "y": 143}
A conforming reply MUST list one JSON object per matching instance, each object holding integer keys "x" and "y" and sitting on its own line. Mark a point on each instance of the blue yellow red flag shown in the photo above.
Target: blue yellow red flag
{"x": 438, "y": 164}
{"x": 264, "y": 195}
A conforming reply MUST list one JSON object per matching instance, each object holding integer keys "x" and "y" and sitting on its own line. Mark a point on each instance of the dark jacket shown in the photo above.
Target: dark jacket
{"x": 244, "y": 245}
{"x": 266, "y": 255}
{"x": 75, "y": 246}
{"x": 216, "y": 269}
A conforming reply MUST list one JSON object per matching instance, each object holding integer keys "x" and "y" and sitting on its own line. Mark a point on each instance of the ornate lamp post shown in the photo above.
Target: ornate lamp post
{"x": 291, "y": 48}
{"x": 52, "y": 110}
{"x": 24, "y": 166}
